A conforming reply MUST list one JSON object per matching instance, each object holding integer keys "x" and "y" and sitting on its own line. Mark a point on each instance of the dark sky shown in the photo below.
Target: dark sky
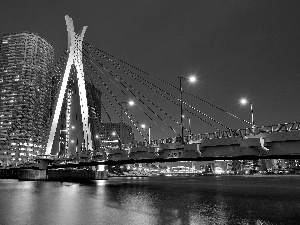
{"x": 237, "y": 48}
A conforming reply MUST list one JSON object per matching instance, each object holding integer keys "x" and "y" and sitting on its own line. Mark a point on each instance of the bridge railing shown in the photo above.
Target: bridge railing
{"x": 284, "y": 127}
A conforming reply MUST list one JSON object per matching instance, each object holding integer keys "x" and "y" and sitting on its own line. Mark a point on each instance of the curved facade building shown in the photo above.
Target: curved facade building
{"x": 26, "y": 60}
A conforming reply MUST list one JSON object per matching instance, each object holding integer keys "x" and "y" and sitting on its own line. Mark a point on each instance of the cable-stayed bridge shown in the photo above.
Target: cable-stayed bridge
{"x": 93, "y": 122}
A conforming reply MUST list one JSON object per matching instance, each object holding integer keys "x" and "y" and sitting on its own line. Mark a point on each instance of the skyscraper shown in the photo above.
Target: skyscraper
{"x": 25, "y": 83}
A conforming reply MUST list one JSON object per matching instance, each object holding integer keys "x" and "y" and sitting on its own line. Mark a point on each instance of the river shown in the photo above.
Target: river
{"x": 153, "y": 200}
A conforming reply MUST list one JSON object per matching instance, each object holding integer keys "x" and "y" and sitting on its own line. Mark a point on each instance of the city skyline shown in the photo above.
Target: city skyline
{"x": 236, "y": 48}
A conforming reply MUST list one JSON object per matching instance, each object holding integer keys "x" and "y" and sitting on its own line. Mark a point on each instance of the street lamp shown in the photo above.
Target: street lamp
{"x": 191, "y": 79}
{"x": 245, "y": 101}
{"x": 149, "y": 132}
{"x": 190, "y": 127}
{"x": 6, "y": 154}
{"x": 131, "y": 103}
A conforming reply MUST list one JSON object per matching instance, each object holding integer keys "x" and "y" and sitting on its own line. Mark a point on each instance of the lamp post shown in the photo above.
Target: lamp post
{"x": 191, "y": 79}
{"x": 6, "y": 154}
{"x": 245, "y": 101}
{"x": 149, "y": 132}
{"x": 190, "y": 128}
{"x": 121, "y": 125}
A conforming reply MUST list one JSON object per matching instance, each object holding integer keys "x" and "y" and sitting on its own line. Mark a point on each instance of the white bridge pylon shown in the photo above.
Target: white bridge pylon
{"x": 75, "y": 57}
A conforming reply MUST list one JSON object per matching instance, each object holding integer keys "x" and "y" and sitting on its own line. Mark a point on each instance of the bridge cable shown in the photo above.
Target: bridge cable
{"x": 86, "y": 68}
{"x": 122, "y": 83}
{"x": 114, "y": 97}
{"x": 171, "y": 96}
{"x": 99, "y": 50}
{"x": 128, "y": 115}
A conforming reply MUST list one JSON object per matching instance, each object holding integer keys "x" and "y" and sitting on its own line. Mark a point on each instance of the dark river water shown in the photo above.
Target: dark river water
{"x": 154, "y": 200}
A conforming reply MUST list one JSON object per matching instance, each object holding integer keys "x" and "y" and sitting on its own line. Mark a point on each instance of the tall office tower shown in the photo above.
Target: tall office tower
{"x": 25, "y": 83}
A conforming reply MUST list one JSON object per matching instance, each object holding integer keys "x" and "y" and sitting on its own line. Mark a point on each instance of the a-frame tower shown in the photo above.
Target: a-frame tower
{"x": 74, "y": 58}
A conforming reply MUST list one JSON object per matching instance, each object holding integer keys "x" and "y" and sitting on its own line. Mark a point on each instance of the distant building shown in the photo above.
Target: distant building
{"x": 209, "y": 168}
{"x": 222, "y": 166}
{"x": 25, "y": 83}
{"x": 237, "y": 166}
{"x": 109, "y": 128}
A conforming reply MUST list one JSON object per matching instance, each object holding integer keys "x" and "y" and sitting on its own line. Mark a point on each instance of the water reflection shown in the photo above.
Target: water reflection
{"x": 204, "y": 200}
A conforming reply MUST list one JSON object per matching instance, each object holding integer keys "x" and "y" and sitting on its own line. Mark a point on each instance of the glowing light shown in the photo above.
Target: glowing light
{"x": 218, "y": 170}
{"x": 113, "y": 133}
{"x": 100, "y": 168}
{"x": 244, "y": 101}
{"x": 131, "y": 102}
{"x": 97, "y": 136}
{"x": 143, "y": 126}
{"x": 192, "y": 78}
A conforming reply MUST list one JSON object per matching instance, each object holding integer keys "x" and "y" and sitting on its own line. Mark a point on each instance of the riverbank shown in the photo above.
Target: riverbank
{"x": 52, "y": 175}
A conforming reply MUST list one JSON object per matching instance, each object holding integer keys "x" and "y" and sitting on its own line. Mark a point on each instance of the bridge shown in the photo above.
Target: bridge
{"x": 95, "y": 85}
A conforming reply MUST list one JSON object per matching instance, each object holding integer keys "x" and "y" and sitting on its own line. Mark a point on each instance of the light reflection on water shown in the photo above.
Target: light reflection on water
{"x": 202, "y": 200}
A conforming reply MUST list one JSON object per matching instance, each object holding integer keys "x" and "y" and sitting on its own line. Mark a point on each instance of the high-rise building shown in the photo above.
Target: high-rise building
{"x": 25, "y": 84}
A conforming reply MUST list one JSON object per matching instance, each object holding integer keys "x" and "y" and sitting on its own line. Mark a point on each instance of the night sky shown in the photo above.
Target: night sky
{"x": 236, "y": 48}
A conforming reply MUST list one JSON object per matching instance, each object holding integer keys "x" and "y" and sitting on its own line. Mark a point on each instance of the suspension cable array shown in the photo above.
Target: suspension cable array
{"x": 119, "y": 80}
{"x": 159, "y": 91}
{"x": 122, "y": 61}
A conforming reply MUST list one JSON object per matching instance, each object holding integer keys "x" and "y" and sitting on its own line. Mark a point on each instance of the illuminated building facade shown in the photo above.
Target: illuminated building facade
{"x": 25, "y": 83}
